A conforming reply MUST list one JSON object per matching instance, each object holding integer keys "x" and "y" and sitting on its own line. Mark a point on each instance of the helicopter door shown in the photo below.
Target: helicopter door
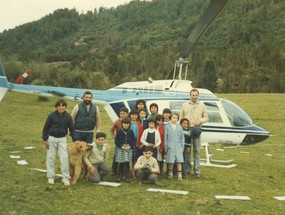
{"x": 215, "y": 113}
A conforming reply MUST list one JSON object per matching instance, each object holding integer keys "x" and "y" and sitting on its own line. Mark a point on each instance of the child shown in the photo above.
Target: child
{"x": 54, "y": 137}
{"x": 160, "y": 153}
{"x": 125, "y": 141}
{"x": 166, "y": 113}
{"x": 147, "y": 167}
{"x": 153, "y": 108}
{"x": 143, "y": 118}
{"x": 115, "y": 127}
{"x": 151, "y": 137}
{"x": 186, "y": 166}
{"x": 136, "y": 127}
{"x": 174, "y": 145}
{"x": 96, "y": 159}
{"x": 118, "y": 124}
{"x": 140, "y": 104}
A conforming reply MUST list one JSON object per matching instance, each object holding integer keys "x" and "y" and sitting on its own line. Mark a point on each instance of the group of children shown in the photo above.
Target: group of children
{"x": 146, "y": 140}
{"x": 141, "y": 139}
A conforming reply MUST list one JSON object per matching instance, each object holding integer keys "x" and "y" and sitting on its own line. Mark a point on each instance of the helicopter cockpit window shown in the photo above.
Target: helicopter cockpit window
{"x": 236, "y": 115}
{"x": 213, "y": 112}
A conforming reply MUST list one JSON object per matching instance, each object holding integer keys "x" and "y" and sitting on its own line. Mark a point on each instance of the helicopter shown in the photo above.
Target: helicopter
{"x": 228, "y": 123}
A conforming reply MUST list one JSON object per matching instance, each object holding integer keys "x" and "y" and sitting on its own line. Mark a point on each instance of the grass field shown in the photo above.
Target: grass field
{"x": 257, "y": 175}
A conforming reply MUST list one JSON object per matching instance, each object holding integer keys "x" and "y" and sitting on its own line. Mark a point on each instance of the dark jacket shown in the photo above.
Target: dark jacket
{"x": 57, "y": 125}
{"x": 85, "y": 120}
{"x": 187, "y": 137}
{"x": 125, "y": 137}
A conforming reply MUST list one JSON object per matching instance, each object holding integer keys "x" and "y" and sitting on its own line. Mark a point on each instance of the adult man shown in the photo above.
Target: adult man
{"x": 195, "y": 112}
{"x": 86, "y": 117}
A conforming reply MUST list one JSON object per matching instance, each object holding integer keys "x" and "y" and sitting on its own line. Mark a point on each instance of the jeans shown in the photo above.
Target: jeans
{"x": 84, "y": 136}
{"x": 196, "y": 151}
{"x": 186, "y": 165}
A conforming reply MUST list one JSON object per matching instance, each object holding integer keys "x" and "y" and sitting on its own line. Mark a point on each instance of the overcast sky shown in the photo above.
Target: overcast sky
{"x": 18, "y": 12}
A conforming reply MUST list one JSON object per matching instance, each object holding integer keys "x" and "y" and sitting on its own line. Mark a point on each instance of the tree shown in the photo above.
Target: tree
{"x": 208, "y": 79}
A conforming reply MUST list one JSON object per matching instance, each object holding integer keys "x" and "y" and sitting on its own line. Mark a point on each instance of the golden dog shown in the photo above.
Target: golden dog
{"x": 76, "y": 151}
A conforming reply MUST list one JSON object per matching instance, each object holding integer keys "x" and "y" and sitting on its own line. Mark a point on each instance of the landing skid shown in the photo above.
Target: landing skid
{"x": 208, "y": 161}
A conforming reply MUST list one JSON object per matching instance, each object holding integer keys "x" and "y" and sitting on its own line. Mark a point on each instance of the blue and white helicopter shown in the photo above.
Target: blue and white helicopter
{"x": 228, "y": 123}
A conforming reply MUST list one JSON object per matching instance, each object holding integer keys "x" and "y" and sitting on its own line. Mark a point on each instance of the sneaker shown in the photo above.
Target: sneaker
{"x": 179, "y": 178}
{"x": 170, "y": 177}
{"x": 66, "y": 181}
{"x": 51, "y": 180}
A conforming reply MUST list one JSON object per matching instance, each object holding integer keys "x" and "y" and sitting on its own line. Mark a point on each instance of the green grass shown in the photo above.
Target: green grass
{"x": 258, "y": 176}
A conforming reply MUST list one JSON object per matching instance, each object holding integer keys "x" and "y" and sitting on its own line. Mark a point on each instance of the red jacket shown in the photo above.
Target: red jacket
{"x": 161, "y": 132}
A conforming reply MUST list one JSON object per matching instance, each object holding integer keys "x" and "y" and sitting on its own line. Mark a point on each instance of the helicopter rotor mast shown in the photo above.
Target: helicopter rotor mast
{"x": 214, "y": 9}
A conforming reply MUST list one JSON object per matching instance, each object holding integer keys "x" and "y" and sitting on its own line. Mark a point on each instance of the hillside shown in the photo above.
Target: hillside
{"x": 244, "y": 49}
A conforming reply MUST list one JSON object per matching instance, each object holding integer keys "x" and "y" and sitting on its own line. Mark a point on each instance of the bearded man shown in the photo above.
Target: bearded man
{"x": 86, "y": 118}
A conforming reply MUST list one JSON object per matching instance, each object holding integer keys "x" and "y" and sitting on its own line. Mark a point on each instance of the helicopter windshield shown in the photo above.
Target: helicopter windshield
{"x": 236, "y": 115}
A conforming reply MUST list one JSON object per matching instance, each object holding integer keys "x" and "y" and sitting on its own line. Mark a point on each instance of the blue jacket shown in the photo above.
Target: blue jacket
{"x": 173, "y": 138}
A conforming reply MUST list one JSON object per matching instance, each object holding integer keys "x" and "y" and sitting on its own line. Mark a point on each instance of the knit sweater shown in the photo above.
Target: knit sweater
{"x": 142, "y": 160}
{"x": 95, "y": 155}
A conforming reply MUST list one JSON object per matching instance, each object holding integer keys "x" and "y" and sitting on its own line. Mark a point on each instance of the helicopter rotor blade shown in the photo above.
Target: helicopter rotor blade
{"x": 215, "y": 8}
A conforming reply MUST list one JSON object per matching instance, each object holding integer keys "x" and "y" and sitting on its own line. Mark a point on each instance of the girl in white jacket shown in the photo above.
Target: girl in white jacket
{"x": 151, "y": 136}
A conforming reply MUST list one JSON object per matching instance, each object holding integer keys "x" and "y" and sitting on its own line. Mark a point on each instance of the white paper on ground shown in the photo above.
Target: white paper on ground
{"x": 230, "y": 147}
{"x": 168, "y": 191}
{"x": 14, "y": 156}
{"x": 112, "y": 184}
{"x": 29, "y": 147}
{"x": 269, "y": 155}
{"x": 44, "y": 170}
{"x": 15, "y": 152}
{"x": 232, "y": 197}
{"x": 281, "y": 198}
{"x": 244, "y": 152}
{"x": 22, "y": 162}
{"x": 40, "y": 170}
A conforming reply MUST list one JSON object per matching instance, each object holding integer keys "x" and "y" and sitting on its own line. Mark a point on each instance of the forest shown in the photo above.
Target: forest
{"x": 243, "y": 51}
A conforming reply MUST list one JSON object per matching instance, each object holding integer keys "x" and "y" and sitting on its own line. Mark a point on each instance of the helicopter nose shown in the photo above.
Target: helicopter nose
{"x": 257, "y": 135}
{"x": 254, "y": 138}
